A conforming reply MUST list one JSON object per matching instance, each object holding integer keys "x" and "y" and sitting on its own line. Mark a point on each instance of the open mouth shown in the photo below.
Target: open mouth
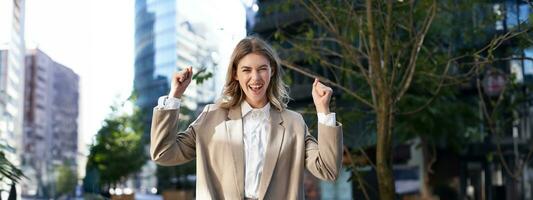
{"x": 255, "y": 87}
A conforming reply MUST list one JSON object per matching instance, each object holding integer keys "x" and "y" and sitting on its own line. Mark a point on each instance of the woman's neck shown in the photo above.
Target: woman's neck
{"x": 257, "y": 104}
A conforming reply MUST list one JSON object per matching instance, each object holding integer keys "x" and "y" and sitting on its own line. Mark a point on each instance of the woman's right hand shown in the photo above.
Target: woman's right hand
{"x": 180, "y": 81}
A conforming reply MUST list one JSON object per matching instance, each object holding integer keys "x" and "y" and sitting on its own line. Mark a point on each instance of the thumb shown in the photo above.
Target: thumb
{"x": 315, "y": 84}
{"x": 315, "y": 90}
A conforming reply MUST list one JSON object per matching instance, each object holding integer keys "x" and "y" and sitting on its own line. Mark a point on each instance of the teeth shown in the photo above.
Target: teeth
{"x": 255, "y": 87}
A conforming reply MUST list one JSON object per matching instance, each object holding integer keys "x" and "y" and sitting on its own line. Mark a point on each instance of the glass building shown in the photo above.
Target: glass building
{"x": 155, "y": 49}
{"x": 166, "y": 42}
{"x": 154, "y": 60}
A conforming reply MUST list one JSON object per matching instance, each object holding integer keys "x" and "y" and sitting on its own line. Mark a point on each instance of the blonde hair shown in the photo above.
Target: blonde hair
{"x": 277, "y": 93}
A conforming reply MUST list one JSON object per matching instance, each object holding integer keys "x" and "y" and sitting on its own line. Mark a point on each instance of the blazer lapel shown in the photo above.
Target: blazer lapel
{"x": 235, "y": 135}
{"x": 273, "y": 149}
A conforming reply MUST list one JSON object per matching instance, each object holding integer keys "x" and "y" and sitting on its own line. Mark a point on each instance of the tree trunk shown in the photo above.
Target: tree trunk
{"x": 384, "y": 147}
{"x": 382, "y": 100}
{"x": 426, "y": 191}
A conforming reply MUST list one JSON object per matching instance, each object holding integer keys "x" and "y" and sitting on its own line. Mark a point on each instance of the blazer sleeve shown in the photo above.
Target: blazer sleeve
{"x": 323, "y": 158}
{"x": 168, "y": 146}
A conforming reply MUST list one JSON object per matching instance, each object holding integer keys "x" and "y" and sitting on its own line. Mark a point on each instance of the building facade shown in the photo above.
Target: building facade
{"x": 12, "y": 50}
{"x": 194, "y": 50}
{"x": 51, "y": 110}
{"x": 166, "y": 42}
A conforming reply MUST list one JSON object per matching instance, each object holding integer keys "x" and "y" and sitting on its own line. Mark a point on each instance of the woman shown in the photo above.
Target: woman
{"x": 248, "y": 145}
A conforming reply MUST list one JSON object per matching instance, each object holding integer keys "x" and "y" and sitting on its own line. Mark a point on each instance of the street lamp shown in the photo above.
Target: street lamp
{"x": 493, "y": 82}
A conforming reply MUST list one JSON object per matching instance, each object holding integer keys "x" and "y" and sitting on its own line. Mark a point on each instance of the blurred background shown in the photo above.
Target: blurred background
{"x": 433, "y": 95}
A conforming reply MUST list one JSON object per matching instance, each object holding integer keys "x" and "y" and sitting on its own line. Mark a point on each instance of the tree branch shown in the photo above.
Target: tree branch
{"x": 406, "y": 82}
{"x": 325, "y": 80}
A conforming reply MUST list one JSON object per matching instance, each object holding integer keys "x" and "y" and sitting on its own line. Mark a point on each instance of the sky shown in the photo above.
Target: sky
{"x": 95, "y": 41}
{"x": 95, "y": 38}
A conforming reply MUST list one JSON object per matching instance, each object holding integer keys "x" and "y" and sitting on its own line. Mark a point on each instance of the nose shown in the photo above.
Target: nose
{"x": 255, "y": 75}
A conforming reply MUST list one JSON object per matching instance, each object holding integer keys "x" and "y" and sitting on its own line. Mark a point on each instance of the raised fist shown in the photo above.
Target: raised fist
{"x": 321, "y": 96}
{"x": 180, "y": 81}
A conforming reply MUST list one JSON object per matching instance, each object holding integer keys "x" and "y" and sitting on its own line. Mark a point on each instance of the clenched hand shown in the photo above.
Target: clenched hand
{"x": 180, "y": 81}
{"x": 321, "y": 97}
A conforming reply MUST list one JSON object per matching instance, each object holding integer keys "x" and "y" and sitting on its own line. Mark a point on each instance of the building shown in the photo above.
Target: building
{"x": 251, "y": 8}
{"x": 489, "y": 178}
{"x": 194, "y": 50}
{"x": 165, "y": 42}
{"x": 12, "y": 52}
{"x": 51, "y": 110}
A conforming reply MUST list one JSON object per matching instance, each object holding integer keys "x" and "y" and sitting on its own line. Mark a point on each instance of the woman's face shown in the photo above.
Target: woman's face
{"x": 253, "y": 74}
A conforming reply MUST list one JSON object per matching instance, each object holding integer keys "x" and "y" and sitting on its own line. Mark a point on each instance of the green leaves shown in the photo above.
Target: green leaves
{"x": 8, "y": 171}
{"x": 202, "y": 75}
{"x": 66, "y": 180}
{"x": 118, "y": 150}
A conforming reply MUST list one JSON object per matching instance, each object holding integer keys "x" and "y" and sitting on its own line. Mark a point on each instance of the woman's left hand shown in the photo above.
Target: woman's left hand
{"x": 321, "y": 97}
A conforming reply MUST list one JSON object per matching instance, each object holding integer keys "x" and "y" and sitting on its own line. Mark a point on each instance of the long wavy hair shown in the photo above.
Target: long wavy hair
{"x": 277, "y": 92}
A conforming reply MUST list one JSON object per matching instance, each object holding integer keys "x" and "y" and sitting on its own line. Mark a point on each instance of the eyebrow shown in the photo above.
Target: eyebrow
{"x": 247, "y": 67}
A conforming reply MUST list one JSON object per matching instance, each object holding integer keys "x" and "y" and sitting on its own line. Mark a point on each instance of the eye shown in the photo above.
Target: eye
{"x": 246, "y": 70}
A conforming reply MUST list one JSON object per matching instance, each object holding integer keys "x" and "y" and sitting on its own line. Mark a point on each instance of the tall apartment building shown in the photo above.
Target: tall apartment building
{"x": 51, "y": 110}
{"x": 12, "y": 51}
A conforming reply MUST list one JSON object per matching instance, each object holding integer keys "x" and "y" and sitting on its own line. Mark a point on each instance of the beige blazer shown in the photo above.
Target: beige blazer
{"x": 215, "y": 139}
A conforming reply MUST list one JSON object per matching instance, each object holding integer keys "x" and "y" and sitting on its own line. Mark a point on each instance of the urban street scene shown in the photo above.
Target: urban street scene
{"x": 266, "y": 99}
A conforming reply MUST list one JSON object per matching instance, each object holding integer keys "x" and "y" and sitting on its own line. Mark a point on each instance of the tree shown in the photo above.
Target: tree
{"x": 66, "y": 181}
{"x": 118, "y": 150}
{"x": 9, "y": 173}
{"x": 394, "y": 58}
{"x": 504, "y": 111}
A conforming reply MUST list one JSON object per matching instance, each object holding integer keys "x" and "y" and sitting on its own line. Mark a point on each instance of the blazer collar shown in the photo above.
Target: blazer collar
{"x": 235, "y": 112}
{"x": 234, "y": 131}
{"x": 246, "y": 109}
